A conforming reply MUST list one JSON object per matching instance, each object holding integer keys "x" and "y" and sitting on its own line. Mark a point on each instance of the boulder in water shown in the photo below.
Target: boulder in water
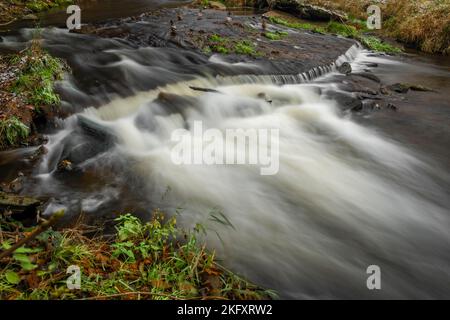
{"x": 345, "y": 68}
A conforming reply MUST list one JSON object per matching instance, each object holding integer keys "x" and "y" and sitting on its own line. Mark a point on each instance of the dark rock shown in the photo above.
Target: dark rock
{"x": 384, "y": 90}
{"x": 390, "y": 106}
{"x": 21, "y": 208}
{"x": 344, "y": 68}
{"x": 399, "y": 87}
{"x": 370, "y": 64}
{"x": 367, "y": 75}
{"x": 96, "y": 130}
{"x": 418, "y": 87}
{"x": 345, "y": 100}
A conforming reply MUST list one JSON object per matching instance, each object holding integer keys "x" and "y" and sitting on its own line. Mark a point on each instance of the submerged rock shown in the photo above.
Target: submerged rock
{"x": 399, "y": 87}
{"x": 21, "y": 208}
{"x": 345, "y": 68}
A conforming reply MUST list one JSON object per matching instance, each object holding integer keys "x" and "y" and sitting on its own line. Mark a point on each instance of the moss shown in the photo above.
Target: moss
{"x": 245, "y": 47}
{"x": 375, "y": 44}
{"x": 275, "y": 35}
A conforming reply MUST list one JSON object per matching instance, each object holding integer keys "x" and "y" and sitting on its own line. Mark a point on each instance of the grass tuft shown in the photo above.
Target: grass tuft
{"x": 278, "y": 35}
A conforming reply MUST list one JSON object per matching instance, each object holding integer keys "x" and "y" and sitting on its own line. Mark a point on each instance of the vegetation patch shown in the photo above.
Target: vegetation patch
{"x": 245, "y": 47}
{"x": 278, "y": 35}
{"x": 152, "y": 260}
{"x": 346, "y": 30}
{"x": 219, "y": 44}
{"x": 424, "y": 24}
{"x": 38, "y": 73}
{"x": 375, "y": 44}
{"x": 12, "y": 131}
{"x": 296, "y": 25}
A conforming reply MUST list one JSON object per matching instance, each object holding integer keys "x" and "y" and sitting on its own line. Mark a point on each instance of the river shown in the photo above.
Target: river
{"x": 352, "y": 190}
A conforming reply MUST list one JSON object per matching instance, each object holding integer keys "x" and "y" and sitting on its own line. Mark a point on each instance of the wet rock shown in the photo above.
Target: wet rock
{"x": 97, "y": 131}
{"x": 65, "y": 165}
{"x": 21, "y": 208}
{"x": 418, "y": 87}
{"x": 371, "y": 64}
{"x": 391, "y": 106}
{"x": 345, "y": 68}
{"x": 367, "y": 75}
{"x": 346, "y": 101}
{"x": 399, "y": 87}
{"x": 309, "y": 12}
{"x": 384, "y": 90}
{"x": 405, "y": 87}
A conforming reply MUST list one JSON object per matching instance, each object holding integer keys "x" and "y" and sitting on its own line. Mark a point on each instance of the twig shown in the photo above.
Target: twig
{"x": 41, "y": 228}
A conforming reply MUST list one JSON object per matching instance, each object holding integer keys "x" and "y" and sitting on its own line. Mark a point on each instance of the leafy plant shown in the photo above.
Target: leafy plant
{"x": 12, "y": 130}
{"x": 38, "y": 73}
{"x": 245, "y": 47}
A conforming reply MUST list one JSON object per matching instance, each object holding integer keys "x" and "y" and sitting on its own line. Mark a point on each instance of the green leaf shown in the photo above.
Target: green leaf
{"x": 21, "y": 258}
{"x": 12, "y": 277}
{"x": 28, "y": 250}
{"x": 28, "y": 266}
{"x": 6, "y": 245}
{"x": 25, "y": 262}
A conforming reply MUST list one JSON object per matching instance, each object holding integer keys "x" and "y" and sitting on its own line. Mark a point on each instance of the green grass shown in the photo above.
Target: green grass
{"x": 37, "y": 76}
{"x": 145, "y": 260}
{"x": 345, "y": 30}
{"x": 275, "y": 35}
{"x": 295, "y": 25}
{"x": 218, "y": 44}
{"x": 39, "y": 5}
{"x": 245, "y": 47}
{"x": 375, "y": 44}
{"x": 12, "y": 130}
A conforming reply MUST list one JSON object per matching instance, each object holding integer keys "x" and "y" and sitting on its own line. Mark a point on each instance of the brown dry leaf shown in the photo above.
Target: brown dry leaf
{"x": 32, "y": 280}
{"x": 160, "y": 284}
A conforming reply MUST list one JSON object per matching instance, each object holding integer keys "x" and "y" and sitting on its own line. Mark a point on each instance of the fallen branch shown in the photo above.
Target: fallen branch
{"x": 41, "y": 228}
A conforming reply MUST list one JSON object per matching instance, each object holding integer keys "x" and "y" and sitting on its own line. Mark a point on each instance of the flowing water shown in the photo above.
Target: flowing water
{"x": 346, "y": 196}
